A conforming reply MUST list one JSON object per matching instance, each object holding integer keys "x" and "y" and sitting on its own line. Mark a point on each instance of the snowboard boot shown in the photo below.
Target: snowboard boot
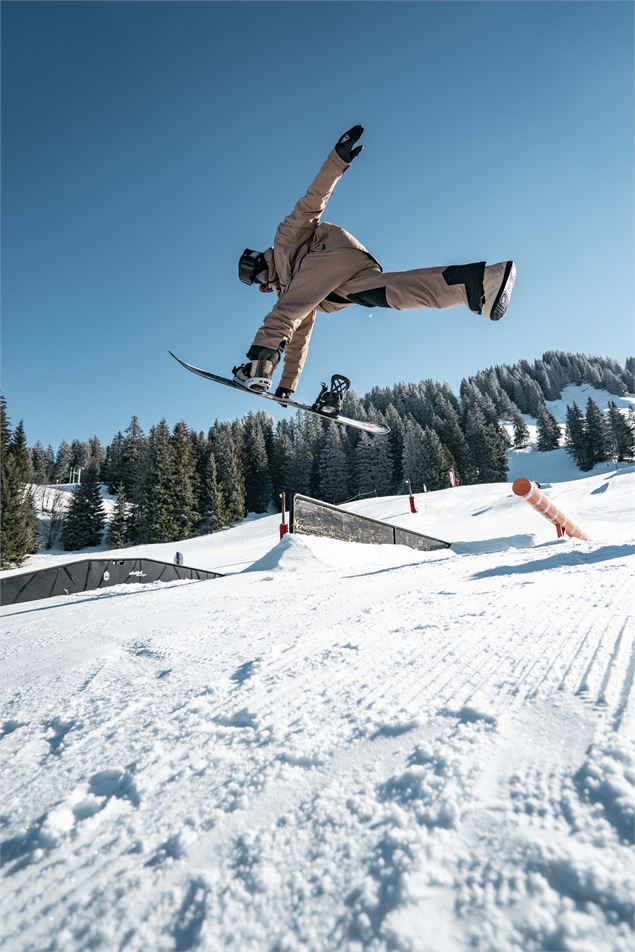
{"x": 498, "y": 282}
{"x": 256, "y": 373}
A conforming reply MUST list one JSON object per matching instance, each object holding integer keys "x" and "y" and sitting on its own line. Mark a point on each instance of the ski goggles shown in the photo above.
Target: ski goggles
{"x": 250, "y": 264}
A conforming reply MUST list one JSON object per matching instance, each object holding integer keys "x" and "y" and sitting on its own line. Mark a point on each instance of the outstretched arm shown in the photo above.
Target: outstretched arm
{"x": 299, "y": 226}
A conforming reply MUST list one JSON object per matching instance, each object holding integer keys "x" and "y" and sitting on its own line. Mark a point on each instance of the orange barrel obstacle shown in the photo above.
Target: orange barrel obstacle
{"x": 542, "y": 504}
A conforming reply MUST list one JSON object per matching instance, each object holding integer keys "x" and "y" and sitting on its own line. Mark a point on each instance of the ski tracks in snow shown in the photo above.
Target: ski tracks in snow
{"x": 430, "y": 756}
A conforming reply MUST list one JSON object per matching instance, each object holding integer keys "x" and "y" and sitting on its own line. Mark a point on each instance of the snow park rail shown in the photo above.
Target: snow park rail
{"x": 87, "y": 575}
{"x": 530, "y": 492}
{"x": 314, "y": 517}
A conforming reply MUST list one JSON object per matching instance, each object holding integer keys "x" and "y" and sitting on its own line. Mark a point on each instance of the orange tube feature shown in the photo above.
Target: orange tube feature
{"x": 530, "y": 493}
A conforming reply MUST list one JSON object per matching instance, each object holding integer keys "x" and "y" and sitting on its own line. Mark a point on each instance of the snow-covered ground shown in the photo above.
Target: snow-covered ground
{"x": 337, "y": 746}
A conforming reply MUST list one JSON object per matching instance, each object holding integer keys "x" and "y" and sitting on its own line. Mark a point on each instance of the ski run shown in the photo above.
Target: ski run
{"x": 337, "y": 746}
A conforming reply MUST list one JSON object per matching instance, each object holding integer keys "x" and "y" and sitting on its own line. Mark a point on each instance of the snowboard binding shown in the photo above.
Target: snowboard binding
{"x": 330, "y": 400}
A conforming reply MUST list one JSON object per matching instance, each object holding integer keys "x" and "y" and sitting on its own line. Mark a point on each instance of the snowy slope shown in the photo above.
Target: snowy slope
{"x": 337, "y": 746}
{"x": 557, "y": 465}
{"x": 580, "y": 394}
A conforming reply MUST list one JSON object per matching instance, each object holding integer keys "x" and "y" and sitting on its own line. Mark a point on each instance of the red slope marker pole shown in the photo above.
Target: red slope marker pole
{"x": 411, "y": 498}
{"x": 530, "y": 493}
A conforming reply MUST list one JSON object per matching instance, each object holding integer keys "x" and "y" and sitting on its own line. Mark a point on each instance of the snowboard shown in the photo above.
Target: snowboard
{"x": 377, "y": 428}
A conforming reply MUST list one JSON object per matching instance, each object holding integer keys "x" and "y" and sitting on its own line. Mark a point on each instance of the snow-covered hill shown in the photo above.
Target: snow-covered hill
{"x": 557, "y": 465}
{"x": 337, "y": 746}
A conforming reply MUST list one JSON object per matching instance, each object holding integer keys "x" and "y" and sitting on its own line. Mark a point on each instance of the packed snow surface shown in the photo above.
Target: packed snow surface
{"x": 336, "y": 746}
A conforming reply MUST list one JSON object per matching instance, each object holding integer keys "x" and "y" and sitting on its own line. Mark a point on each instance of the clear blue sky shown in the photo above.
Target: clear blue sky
{"x": 144, "y": 145}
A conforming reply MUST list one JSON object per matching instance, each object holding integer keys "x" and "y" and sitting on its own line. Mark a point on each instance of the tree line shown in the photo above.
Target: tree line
{"x": 173, "y": 483}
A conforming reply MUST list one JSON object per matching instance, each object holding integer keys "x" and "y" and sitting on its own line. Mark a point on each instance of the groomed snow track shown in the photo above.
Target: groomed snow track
{"x": 345, "y": 747}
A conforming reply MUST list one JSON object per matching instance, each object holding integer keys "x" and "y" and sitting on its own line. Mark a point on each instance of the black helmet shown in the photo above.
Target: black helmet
{"x": 250, "y": 264}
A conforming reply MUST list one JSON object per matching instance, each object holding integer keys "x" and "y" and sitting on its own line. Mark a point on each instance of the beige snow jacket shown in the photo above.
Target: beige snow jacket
{"x": 309, "y": 260}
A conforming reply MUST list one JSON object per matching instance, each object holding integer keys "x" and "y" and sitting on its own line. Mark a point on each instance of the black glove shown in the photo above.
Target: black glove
{"x": 344, "y": 146}
{"x": 283, "y": 393}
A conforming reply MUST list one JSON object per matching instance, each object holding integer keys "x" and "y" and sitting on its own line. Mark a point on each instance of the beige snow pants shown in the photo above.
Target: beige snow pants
{"x": 345, "y": 272}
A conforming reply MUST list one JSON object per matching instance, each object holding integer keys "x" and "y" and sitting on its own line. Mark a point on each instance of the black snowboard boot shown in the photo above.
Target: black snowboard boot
{"x": 498, "y": 282}
{"x": 256, "y": 373}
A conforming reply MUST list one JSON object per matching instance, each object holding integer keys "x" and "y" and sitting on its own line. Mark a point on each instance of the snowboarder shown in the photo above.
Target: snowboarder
{"x": 319, "y": 266}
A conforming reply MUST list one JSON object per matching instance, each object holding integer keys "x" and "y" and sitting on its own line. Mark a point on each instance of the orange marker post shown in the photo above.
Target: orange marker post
{"x": 530, "y": 493}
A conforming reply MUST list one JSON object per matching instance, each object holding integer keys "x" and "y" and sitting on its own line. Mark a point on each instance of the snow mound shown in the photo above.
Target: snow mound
{"x": 308, "y": 553}
{"x": 292, "y": 554}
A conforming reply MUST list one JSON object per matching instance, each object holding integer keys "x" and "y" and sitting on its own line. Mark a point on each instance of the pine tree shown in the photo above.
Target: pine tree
{"x": 50, "y": 464}
{"x": 78, "y": 454}
{"x": 5, "y": 428}
{"x": 63, "y": 463}
{"x": 113, "y": 466}
{"x": 18, "y": 520}
{"x": 623, "y": 435}
{"x": 576, "y": 440}
{"x": 157, "y": 517}
{"x": 300, "y": 464}
{"x": 487, "y": 444}
{"x": 543, "y": 378}
{"x": 85, "y": 518}
{"x": 230, "y": 475}
{"x": 20, "y": 453}
{"x": 333, "y": 468}
{"x": 599, "y": 435}
{"x": 95, "y": 454}
{"x": 611, "y": 383}
{"x": 134, "y": 461}
{"x": 314, "y": 433}
{"x": 256, "y": 467}
{"x": 363, "y": 465}
{"x": 42, "y": 464}
{"x": 548, "y": 430}
{"x": 395, "y": 439}
{"x": 213, "y": 515}
{"x": 521, "y": 432}
{"x": 119, "y": 528}
{"x": 437, "y": 461}
{"x": 185, "y": 482}
{"x": 281, "y": 461}
{"x": 413, "y": 459}
{"x": 382, "y": 465}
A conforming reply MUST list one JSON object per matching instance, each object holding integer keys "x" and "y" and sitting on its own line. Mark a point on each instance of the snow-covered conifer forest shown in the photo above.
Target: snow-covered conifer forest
{"x": 177, "y": 483}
